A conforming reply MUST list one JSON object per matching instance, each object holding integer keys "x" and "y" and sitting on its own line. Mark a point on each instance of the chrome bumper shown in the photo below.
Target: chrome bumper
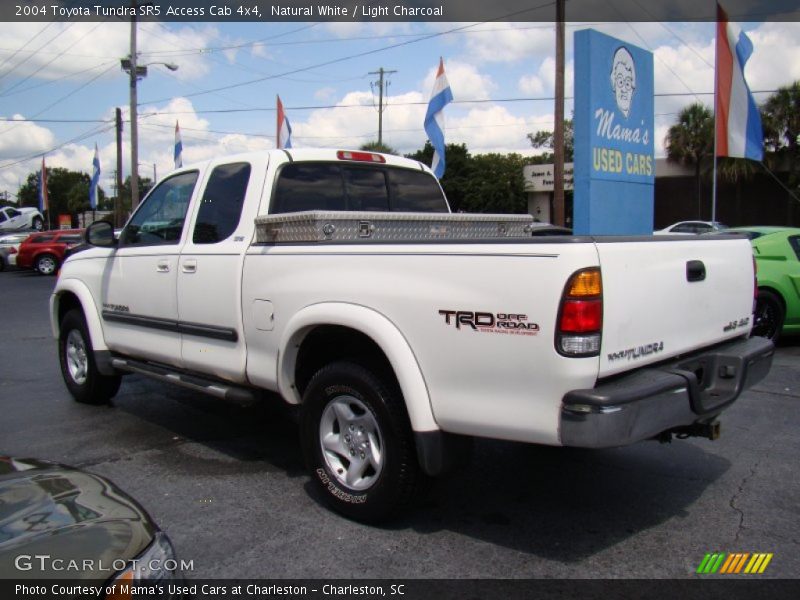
{"x": 653, "y": 400}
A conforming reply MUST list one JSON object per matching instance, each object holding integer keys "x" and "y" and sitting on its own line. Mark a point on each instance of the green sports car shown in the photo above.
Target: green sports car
{"x": 777, "y": 252}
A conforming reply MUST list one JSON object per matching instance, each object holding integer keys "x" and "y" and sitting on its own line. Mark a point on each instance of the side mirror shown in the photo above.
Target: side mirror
{"x": 101, "y": 234}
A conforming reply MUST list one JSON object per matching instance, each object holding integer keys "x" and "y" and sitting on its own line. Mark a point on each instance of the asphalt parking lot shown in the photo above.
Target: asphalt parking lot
{"x": 228, "y": 483}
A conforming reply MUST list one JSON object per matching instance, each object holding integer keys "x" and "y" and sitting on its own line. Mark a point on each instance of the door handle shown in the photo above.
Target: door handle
{"x": 189, "y": 266}
{"x": 162, "y": 266}
{"x": 695, "y": 271}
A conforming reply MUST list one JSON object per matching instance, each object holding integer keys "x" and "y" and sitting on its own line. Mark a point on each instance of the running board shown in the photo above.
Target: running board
{"x": 223, "y": 391}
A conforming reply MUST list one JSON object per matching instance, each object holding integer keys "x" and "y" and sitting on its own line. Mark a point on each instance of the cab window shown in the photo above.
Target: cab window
{"x": 161, "y": 216}
{"x": 221, "y": 206}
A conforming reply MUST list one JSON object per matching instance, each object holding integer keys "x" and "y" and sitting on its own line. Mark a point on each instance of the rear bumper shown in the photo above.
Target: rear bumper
{"x": 649, "y": 401}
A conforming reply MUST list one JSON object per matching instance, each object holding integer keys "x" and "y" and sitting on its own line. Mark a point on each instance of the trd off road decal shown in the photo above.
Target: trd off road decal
{"x": 486, "y": 322}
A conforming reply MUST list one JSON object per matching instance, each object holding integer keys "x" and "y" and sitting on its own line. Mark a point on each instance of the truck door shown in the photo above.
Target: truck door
{"x": 140, "y": 308}
{"x": 210, "y": 270}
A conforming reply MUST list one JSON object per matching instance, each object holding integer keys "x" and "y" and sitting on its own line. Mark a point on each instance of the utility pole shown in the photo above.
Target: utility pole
{"x": 380, "y": 73}
{"x": 134, "y": 115}
{"x": 118, "y": 177}
{"x": 558, "y": 130}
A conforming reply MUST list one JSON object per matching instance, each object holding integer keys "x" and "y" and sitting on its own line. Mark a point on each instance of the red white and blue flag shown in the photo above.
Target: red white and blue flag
{"x": 95, "y": 179}
{"x": 178, "y": 151}
{"x": 43, "y": 200}
{"x": 441, "y": 96}
{"x": 738, "y": 122}
{"x": 283, "y": 137}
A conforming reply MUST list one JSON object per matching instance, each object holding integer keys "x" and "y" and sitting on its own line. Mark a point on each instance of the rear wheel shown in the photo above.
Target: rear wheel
{"x": 769, "y": 316}
{"x": 358, "y": 443}
{"x": 37, "y": 223}
{"x": 46, "y": 264}
{"x": 78, "y": 367}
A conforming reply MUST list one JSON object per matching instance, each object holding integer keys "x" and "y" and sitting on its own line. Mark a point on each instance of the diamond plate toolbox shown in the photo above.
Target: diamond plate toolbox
{"x": 347, "y": 226}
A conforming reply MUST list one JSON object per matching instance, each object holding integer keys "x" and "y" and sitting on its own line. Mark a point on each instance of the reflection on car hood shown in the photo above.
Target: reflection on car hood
{"x": 65, "y": 514}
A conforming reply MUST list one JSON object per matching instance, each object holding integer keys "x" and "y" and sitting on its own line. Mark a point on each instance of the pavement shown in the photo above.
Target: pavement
{"x": 228, "y": 483}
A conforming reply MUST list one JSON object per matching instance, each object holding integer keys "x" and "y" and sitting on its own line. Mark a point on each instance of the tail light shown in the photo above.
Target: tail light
{"x": 580, "y": 316}
{"x": 12, "y": 250}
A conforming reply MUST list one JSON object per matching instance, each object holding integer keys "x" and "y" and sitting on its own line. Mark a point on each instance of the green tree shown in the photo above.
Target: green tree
{"x": 545, "y": 139}
{"x": 781, "y": 119}
{"x": 376, "y": 146}
{"x": 496, "y": 184}
{"x": 458, "y": 171}
{"x": 691, "y": 140}
{"x": 60, "y": 182}
{"x": 780, "y": 116}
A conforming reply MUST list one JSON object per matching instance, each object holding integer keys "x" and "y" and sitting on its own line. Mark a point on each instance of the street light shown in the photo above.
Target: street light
{"x": 136, "y": 72}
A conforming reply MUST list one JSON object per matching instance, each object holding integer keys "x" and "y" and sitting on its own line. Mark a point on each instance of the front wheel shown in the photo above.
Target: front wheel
{"x": 358, "y": 443}
{"x": 46, "y": 264}
{"x": 769, "y": 316}
{"x": 37, "y": 223}
{"x": 78, "y": 368}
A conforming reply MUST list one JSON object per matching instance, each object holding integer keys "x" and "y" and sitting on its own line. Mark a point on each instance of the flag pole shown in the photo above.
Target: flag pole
{"x": 716, "y": 104}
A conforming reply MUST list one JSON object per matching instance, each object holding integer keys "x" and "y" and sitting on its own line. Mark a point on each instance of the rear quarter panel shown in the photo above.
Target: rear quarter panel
{"x": 485, "y": 382}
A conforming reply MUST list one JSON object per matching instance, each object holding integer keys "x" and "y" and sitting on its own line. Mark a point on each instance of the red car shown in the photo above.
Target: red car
{"x": 44, "y": 252}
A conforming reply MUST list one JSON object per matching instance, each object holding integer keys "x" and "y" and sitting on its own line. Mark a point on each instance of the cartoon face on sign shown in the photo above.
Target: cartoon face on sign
{"x": 623, "y": 79}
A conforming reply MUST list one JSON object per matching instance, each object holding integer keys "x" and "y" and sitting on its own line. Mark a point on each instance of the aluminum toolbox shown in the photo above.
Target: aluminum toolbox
{"x": 348, "y": 226}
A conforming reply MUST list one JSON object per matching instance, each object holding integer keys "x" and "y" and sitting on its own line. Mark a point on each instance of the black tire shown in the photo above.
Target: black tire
{"x": 372, "y": 399}
{"x": 37, "y": 223}
{"x": 46, "y": 264}
{"x": 2, "y": 264}
{"x": 769, "y": 316}
{"x": 88, "y": 385}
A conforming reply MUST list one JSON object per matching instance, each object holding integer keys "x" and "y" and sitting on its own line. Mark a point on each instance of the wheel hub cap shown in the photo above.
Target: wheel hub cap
{"x": 77, "y": 360}
{"x": 351, "y": 442}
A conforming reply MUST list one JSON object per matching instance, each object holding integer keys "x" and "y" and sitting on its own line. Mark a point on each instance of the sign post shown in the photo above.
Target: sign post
{"x": 614, "y": 128}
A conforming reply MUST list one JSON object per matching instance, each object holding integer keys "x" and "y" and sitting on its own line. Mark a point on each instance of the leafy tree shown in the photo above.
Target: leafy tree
{"x": 780, "y": 116}
{"x": 781, "y": 119}
{"x": 546, "y": 139}
{"x": 691, "y": 139}
{"x": 457, "y": 174}
{"x": 376, "y": 146}
{"x": 60, "y": 182}
{"x": 496, "y": 184}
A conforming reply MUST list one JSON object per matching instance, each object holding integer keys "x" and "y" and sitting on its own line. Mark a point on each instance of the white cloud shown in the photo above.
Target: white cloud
{"x": 325, "y": 94}
{"x": 543, "y": 83}
{"x": 465, "y": 81}
{"x": 509, "y": 42}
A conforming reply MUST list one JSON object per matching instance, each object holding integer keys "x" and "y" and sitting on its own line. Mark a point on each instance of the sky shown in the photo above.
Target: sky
{"x": 60, "y": 84}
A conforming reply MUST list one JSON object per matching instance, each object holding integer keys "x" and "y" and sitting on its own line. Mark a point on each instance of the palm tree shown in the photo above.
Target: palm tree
{"x": 691, "y": 139}
{"x": 781, "y": 119}
{"x": 780, "y": 116}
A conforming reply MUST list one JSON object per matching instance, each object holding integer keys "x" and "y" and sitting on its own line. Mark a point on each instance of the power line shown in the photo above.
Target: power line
{"x": 57, "y": 79}
{"x": 78, "y": 138}
{"x": 350, "y": 57}
{"x": 56, "y": 57}
{"x": 23, "y": 61}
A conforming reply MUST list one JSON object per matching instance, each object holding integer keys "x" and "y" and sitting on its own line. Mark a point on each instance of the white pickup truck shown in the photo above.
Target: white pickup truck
{"x": 340, "y": 281}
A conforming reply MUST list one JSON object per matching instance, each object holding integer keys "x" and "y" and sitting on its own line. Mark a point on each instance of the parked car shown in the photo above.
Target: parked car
{"x": 44, "y": 251}
{"x": 777, "y": 253}
{"x": 691, "y": 227}
{"x": 53, "y": 516}
{"x": 18, "y": 219}
{"x": 12, "y": 241}
{"x": 6, "y": 253}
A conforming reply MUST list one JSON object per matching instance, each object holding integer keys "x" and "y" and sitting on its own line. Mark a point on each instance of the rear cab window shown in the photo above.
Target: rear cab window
{"x": 350, "y": 187}
{"x": 222, "y": 202}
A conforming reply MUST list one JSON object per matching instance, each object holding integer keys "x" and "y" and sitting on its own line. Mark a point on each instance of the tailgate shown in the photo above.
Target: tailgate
{"x": 664, "y": 298}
